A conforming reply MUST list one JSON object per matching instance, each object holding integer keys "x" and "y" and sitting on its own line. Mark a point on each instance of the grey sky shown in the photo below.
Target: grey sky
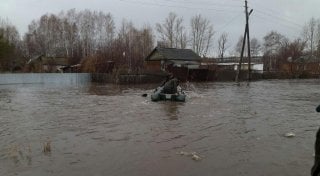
{"x": 284, "y": 16}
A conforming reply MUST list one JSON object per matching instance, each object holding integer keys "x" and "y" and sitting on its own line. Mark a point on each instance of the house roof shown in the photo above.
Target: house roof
{"x": 172, "y": 54}
{"x": 34, "y": 59}
{"x": 182, "y": 62}
{"x": 307, "y": 59}
{"x": 49, "y": 60}
{"x": 55, "y": 61}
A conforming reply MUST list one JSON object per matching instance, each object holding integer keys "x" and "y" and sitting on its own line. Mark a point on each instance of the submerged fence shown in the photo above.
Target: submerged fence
{"x": 127, "y": 78}
{"x": 43, "y": 78}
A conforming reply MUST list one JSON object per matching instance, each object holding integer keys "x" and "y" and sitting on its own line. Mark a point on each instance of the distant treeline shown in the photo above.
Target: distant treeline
{"x": 92, "y": 39}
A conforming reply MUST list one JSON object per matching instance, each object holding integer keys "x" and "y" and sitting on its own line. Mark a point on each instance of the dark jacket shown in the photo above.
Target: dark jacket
{"x": 316, "y": 167}
{"x": 170, "y": 87}
{"x": 315, "y": 171}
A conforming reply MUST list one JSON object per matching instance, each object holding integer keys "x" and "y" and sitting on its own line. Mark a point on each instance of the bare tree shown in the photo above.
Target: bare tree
{"x": 45, "y": 36}
{"x": 146, "y": 40}
{"x": 32, "y": 46}
{"x": 86, "y": 25}
{"x": 9, "y": 32}
{"x": 201, "y": 35}
{"x": 172, "y": 32}
{"x": 273, "y": 44}
{"x": 105, "y": 29}
{"x": 238, "y": 46}
{"x": 318, "y": 38}
{"x": 134, "y": 45}
{"x": 71, "y": 34}
{"x": 255, "y": 46}
{"x": 10, "y": 46}
{"x": 309, "y": 33}
{"x": 273, "y": 41}
{"x": 222, "y": 45}
{"x": 294, "y": 50}
{"x": 181, "y": 37}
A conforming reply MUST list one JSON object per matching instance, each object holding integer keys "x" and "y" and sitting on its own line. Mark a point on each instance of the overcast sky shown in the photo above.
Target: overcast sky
{"x": 284, "y": 16}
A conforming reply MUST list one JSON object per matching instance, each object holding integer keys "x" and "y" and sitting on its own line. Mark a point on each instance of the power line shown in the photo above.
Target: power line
{"x": 273, "y": 10}
{"x": 268, "y": 19}
{"x": 175, "y": 6}
{"x": 280, "y": 24}
{"x": 228, "y": 23}
{"x": 280, "y": 18}
{"x": 204, "y": 3}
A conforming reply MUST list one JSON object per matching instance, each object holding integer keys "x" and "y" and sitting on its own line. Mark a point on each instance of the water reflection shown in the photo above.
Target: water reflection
{"x": 104, "y": 89}
{"x": 120, "y": 132}
{"x": 20, "y": 155}
{"x": 115, "y": 89}
{"x": 171, "y": 109}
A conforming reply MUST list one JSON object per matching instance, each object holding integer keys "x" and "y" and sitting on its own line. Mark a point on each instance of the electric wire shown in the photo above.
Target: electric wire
{"x": 266, "y": 9}
{"x": 176, "y": 6}
{"x": 280, "y": 18}
{"x": 274, "y": 21}
{"x": 206, "y": 3}
{"x": 264, "y": 20}
{"x": 228, "y": 23}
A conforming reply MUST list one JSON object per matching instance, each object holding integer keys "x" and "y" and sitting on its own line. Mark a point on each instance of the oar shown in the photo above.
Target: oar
{"x": 145, "y": 95}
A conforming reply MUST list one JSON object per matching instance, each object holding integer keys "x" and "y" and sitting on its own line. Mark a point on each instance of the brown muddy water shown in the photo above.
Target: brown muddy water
{"x": 95, "y": 129}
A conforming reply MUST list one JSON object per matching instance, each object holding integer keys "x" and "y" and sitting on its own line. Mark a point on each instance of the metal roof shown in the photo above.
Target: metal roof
{"x": 173, "y": 54}
{"x": 181, "y": 62}
{"x": 49, "y": 60}
{"x": 307, "y": 59}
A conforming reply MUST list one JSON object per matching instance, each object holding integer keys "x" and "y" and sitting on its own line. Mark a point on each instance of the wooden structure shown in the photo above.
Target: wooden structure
{"x": 182, "y": 63}
{"x": 302, "y": 65}
{"x": 42, "y": 64}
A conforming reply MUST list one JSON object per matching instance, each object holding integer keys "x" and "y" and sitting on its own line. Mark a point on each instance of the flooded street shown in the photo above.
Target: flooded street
{"x": 96, "y": 129}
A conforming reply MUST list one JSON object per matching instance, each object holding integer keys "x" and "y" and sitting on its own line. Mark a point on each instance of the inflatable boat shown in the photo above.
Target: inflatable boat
{"x": 159, "y": 96}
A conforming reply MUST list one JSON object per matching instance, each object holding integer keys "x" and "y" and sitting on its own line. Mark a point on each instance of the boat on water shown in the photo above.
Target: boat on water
{"x": 158, "y": 95}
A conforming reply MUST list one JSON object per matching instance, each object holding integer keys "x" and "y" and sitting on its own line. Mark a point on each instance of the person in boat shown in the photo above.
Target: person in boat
{"x": 315, "y": 171}
{"x": 168, "y": 78}
{"x": 171, "y": 86}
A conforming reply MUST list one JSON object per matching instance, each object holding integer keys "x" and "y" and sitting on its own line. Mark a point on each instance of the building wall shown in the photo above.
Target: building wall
{"x": 153, "y": 65}
{"x": 286, "y": 68}
{"x": 312, "y": 68}
{"x": 179, "y": 72}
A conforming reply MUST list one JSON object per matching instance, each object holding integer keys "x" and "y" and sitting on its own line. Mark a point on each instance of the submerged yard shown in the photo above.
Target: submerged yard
{"x": 95, "y": 129}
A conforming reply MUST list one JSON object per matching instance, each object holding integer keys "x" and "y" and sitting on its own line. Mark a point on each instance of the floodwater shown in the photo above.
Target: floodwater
{"x": 98, "y": 130}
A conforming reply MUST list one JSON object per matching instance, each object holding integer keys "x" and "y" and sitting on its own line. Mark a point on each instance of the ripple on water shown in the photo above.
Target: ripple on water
{"x": 242, "y": 126}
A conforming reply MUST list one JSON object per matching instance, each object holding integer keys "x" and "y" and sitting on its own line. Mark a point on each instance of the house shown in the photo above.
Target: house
{"x": 71, "y": 68}
{"x": 232, "y": 63}
{"x": 44, "y": 64}
{"x": 183, "y": 63}
{"x": 302, "y": 65}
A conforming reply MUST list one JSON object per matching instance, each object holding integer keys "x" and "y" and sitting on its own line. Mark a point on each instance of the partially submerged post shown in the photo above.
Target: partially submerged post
{"x": 241, "y": 57}
{"x": 246, "y": 37}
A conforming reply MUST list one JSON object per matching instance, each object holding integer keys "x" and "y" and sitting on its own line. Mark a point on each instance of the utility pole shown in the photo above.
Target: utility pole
{"x": 246, "y": 37}
{"x": 241, "y": 56}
